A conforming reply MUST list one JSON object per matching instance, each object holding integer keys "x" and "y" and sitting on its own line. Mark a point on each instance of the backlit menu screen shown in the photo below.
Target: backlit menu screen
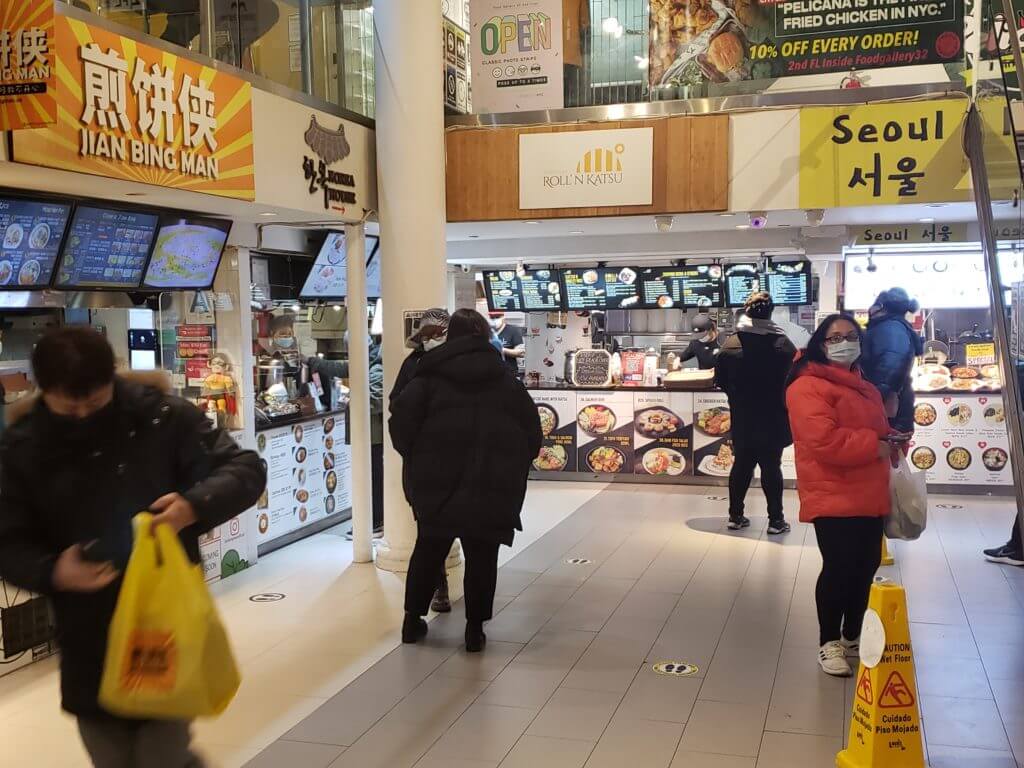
{"x": 523, "y": 290}
{"x": 789, "y": 283}
{"x": 689, "y": 286}
{"x": 106, "y": 248}
{"x": 31, "y": 232}
{"x": 601, "y": 288}
{"x": 741, "y": 280}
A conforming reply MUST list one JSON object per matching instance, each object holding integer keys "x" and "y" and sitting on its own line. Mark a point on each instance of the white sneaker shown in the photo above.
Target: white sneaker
{"x": 832, "y": 658}
{"x": 851, "y": 647}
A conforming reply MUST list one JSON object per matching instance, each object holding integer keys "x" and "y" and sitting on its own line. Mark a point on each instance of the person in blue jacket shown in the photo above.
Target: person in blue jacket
{"x": 891, "y": 346}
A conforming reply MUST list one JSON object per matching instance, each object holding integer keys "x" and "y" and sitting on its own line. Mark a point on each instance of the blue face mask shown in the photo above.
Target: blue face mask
{"x": 285, "y": 342}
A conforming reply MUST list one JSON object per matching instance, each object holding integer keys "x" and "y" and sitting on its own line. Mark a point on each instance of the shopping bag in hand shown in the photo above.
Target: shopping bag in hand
{"x": 168, "y": 656}
{"x": 908, "y": 492}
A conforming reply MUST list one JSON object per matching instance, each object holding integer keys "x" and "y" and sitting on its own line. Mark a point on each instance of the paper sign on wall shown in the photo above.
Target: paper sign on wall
{"x": 517, "y": 55}
{"x": 586, "y": 169}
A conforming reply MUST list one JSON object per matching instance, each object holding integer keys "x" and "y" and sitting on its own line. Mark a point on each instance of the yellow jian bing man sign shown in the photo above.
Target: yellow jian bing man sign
{"x": 28, "y": 67}
{"x": 131, "y": 111}
{"x": 882, "y": 154}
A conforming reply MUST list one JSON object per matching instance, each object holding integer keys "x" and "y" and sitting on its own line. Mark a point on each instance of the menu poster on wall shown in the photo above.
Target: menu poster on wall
{"x": 663, "y": 442}
{"x": 28, "y": 64}
{"x": 600, "y": 288}
{"x": 732, "y": 40}
{"x": 308, "y": 475}
{"x": 523, "y": 290}
{"x": 712, "y": 443}
{"x": 516, "y": 55}
{"x": 605, "y": 432}
{"x": 557, "y": 411}
{"x": 961, "y": 440}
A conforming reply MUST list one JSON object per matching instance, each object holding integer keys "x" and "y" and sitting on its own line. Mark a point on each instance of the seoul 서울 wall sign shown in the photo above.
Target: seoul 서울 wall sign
{"x": 130, "y": 111}
{"x": 28, "y": 72}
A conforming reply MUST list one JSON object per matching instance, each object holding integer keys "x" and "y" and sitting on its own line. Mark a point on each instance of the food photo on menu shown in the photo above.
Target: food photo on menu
{"x": 712, "y": 443}
{"x": 557, "y": 414}
{"x": 961, "y": 439}
{"x": 31, "y": 235}
{"x": 664, "y": 433}
{"x": 605, "y": 432}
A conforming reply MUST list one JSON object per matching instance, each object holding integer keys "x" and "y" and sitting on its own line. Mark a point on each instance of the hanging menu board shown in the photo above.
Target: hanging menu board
{"x": 31, "y": 233}
{"x": 686, "y": 287}
{"x": 523, "y": 291}
{"x": 741, "y": 280}
{"x": 600, "y": 288}
{"x": 789, "y": 283}
{"x": 106, "y": 248}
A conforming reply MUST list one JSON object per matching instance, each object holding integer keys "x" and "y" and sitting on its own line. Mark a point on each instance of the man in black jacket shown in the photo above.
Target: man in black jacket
{"x": 752, "y": 369}
{"x": 84, "y": 458}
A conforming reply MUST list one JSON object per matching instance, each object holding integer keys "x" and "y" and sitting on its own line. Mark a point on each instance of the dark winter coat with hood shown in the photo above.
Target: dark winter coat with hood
{"x": 63, "y": 484}
{"x": 890, "y": 346}
{"x": 468, "y": 432}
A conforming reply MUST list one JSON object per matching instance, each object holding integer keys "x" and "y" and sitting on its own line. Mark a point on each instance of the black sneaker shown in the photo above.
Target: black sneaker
{"x": 1005, "y": 555}
{"x": 414, "y": 628}
{"x": 775, "y": 527}
{"x": 735, "y": 523}
{"x": 475, "y": 637}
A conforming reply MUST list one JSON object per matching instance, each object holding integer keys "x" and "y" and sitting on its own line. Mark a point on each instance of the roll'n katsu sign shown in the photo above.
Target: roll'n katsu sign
{"x": 133, "y": 112}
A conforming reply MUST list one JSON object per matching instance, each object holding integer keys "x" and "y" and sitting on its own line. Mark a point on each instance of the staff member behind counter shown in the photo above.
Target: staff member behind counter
{"x": 705, "y": 347}
{"x": 512, "y": 343}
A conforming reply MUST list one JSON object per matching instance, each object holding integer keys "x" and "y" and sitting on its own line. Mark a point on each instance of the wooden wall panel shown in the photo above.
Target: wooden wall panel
{"x": 691, "y": 170}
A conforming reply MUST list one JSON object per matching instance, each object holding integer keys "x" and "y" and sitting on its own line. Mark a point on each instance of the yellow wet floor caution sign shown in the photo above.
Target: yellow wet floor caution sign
{"x": 885, "y": 731}
{"x": 887, "y": 558}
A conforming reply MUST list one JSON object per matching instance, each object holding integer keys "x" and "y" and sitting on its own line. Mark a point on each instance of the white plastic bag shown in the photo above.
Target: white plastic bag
{"x": 908, "y": 491}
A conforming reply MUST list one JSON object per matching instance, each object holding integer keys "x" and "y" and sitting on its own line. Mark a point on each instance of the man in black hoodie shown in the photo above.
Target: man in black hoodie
{"x": 83, "y": 459}
{"x": 468, "y": 431}
{"x": 751, "y": 369}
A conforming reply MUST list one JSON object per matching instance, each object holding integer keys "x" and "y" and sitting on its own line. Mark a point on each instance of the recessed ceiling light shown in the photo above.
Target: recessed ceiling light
{"x": 575, "y": 231}
{"x": 531, "y": 222}
{"x": 268, "y": 213}
{"x": 937, "y": 205}
{"x": 742, "y": 226}
{"x": 783, "y": 226}
{"x": 726, "y": 215}
{"x": 926, "y": 220}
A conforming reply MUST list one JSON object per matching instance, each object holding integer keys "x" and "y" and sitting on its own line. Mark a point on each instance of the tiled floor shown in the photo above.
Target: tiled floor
{"x": 566, "y": 680}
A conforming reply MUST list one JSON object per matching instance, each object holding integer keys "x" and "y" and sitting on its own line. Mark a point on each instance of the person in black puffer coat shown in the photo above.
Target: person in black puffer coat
{"x": 468, "y": 432}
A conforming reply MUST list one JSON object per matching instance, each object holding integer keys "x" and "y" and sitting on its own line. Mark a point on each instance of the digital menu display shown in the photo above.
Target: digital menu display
{"x": 686, "y": 287}
{"x": 328, "y": 279}
{"x": 32, "y": 231}
{"x": 789, "y": 283}
{"x": 187, "y": 253}
{"x": 741, "y": 280}
{"x": 601, "y": 288}
{"x": 523, "y": 290}
{"x": 106, "y": 248}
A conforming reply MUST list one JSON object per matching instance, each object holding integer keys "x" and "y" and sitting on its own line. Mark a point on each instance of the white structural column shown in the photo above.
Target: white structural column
{"x": 410, "y": 190}
{"x": 359, "y": 406}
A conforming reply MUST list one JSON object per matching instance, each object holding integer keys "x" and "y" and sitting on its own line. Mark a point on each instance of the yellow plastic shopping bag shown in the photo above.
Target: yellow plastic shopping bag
{"x": 168, "y": 656}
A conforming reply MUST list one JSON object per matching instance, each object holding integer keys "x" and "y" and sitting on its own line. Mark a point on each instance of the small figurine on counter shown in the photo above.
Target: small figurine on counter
{"x": 219, "y": 387}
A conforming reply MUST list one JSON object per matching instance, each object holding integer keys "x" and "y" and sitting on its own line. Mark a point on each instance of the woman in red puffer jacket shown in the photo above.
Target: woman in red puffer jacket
{"x": 843, "y": 450}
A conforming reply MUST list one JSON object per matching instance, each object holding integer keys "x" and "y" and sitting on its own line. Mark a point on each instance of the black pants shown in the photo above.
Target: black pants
{"x": 479, "y": 583}
{"x": 1015, "y": 540}
{"x": 851, "y": 551}
{"x": 377, "y": 484}
{"x": 746, "y": 456}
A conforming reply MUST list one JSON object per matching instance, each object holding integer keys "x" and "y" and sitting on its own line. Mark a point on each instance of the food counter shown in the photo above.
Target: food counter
{"x": 309, "y": 479}
{"x": 658, "y": 436}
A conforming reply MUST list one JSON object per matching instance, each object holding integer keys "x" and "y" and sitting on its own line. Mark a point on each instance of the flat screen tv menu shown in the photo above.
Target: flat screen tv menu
{"x": 789, "y": 283}
{"x": 741, "y": 280}
{"x": 523, "y": 291}
{"x": 601, "y": 288}
{"x": 686, "y": 287}
{"x": 31, "y": 232}
{"x": 106, "y": 248}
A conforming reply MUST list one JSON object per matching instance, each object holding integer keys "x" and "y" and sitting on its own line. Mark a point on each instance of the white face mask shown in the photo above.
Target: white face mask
{"x": 429, "y": 344}
{"x": 845, "y": 353}
{"x": 705, "y": 338}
